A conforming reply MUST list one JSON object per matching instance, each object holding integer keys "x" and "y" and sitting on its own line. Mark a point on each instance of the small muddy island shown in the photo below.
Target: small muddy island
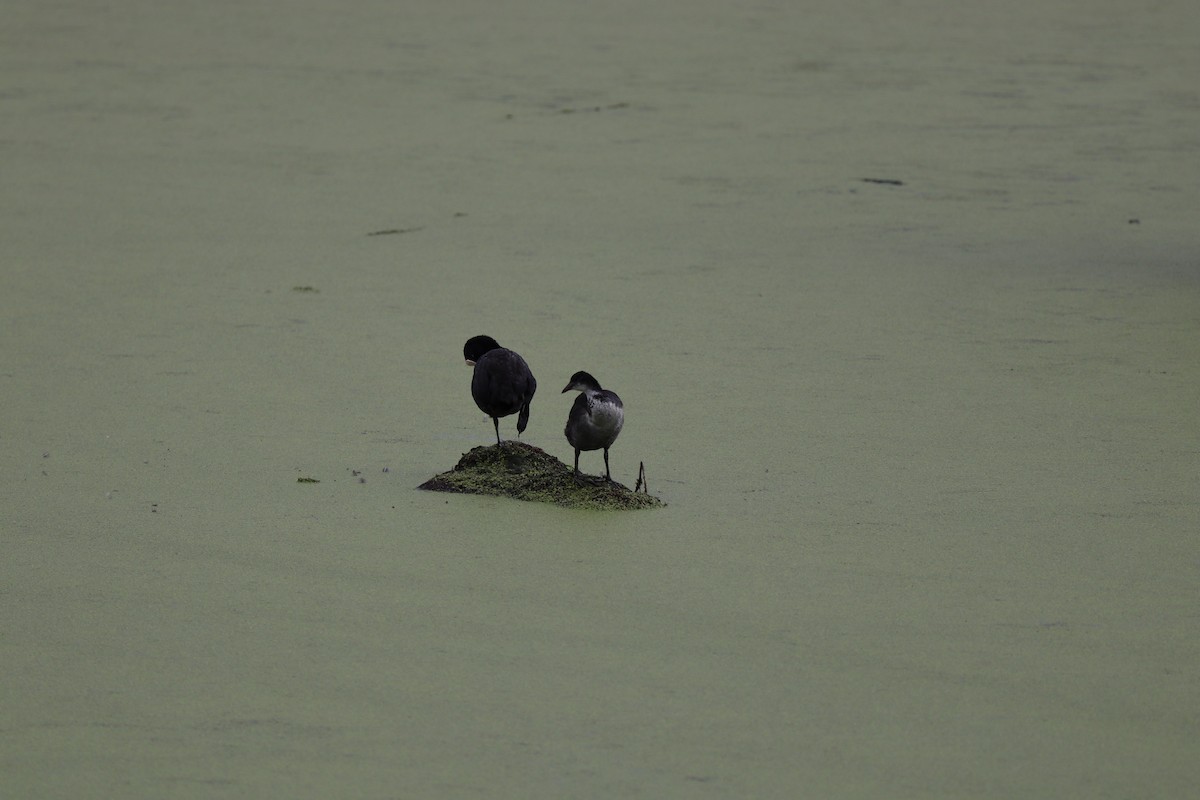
{"x": 525, "y": 472}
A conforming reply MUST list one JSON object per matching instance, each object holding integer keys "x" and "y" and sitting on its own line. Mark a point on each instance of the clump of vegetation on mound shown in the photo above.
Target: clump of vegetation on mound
{"x": 525, "y": 472}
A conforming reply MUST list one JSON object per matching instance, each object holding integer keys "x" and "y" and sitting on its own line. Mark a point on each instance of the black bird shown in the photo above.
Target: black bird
{"x": 595, "y": 419}
{"x": 502, "y": 383}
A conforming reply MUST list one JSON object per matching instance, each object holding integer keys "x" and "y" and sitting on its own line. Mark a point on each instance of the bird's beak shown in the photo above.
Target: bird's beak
{"x": 470, "y": 363}
{"x": 564, "y": 391}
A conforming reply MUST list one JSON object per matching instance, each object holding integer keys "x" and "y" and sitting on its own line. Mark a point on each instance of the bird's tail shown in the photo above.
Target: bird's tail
{"x": 523, "y": 418}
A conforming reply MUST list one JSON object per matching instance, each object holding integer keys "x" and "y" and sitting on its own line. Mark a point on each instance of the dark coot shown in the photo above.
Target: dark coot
{"x": 501, "y": 384}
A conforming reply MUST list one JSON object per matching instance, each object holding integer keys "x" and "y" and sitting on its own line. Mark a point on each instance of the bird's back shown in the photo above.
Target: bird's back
{"x": 502, "y": 383}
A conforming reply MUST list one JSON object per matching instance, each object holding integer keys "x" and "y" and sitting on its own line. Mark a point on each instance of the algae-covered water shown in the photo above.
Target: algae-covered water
{"x": 902, "y": 302}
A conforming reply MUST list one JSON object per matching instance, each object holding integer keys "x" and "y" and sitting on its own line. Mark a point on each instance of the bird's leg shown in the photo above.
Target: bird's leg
{"x": 576, "y": 463}
{"x": 607, "y": 474}
{"x": 496, "y": 422}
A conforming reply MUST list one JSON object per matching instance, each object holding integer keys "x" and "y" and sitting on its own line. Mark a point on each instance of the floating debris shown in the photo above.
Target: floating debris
{"x": 394, "y": 231}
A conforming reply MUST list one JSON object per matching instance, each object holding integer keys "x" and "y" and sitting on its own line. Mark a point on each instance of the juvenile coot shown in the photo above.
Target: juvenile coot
{"x": 502, "y": 383}
{"x": 595, "y": 419}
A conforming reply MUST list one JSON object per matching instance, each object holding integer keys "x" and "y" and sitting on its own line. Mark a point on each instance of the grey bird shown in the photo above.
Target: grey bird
{"x": 595, "y": 420}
